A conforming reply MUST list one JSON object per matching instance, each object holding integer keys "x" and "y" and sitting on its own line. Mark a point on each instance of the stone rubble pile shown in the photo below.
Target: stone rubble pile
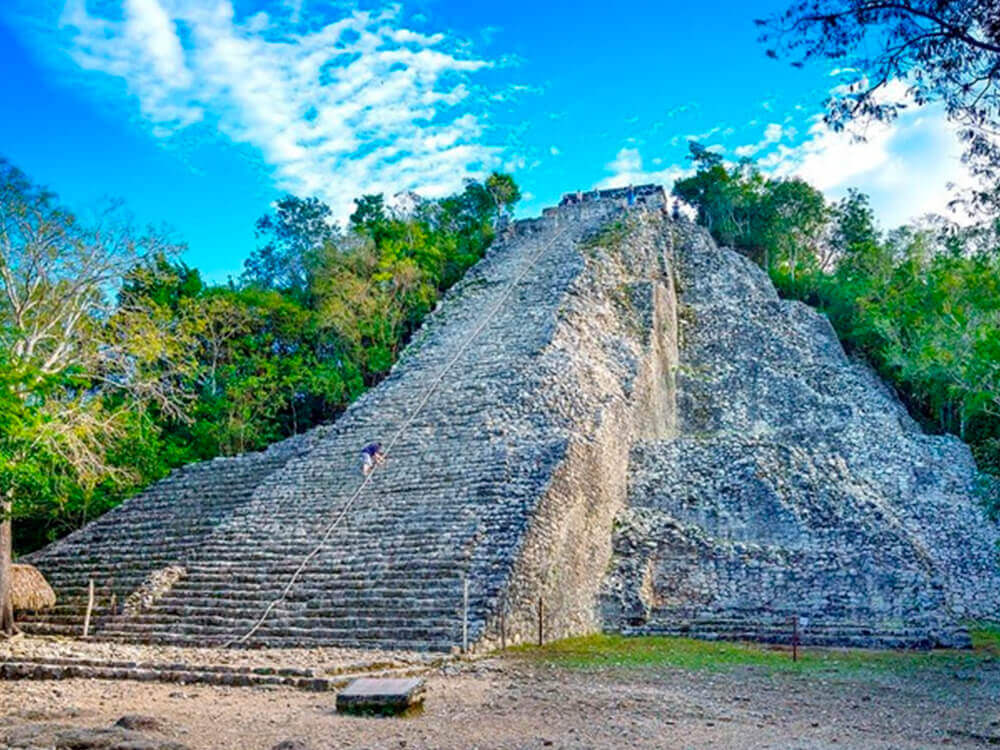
{"x": 797, "y": 486}
{"x": 156, "y": 585}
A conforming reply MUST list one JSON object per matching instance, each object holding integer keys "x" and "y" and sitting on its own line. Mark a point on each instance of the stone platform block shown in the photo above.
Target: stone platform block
{"x": 382, "y": 696}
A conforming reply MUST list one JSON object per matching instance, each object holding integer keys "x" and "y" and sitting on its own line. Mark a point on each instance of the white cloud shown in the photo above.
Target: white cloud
{"x": 773, "y": 133}
{"x": 361, "y": 104}
{"x": 627, "y": 169}
{"x": 906, "y": 166}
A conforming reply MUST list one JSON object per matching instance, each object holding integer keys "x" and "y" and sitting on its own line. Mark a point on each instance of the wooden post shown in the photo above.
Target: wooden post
{"x": 465, "y": 617}
{"x": 503, "y": 622}
{"x": 795, "y": 637}
{"x": 541, "y": 605}
{"x": 90, "y": 608}
{"x": 7, "y": 626}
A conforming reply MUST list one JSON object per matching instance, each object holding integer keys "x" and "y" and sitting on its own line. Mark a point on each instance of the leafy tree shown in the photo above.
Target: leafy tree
{"x": 370, "y": 217}
{"x": 943, "y": 51}
{"x": 298, "y": 229}
{"x": 772, "y": 221}
{"x": 160, "y": 281}
{"x": 76, "y": 372}
{"x": 375, "y": 291}
{"x": 711, "y": 192}
{"x": 503, "y": 190}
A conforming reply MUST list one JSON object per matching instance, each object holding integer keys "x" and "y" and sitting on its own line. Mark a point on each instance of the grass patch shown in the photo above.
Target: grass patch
{"x": 609, "y": 236}
{"x": 621, "y": 652}
{"x": 986, "y": 638}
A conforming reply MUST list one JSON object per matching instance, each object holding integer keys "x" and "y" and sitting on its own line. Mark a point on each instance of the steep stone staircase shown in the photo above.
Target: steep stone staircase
{"x": 451, "y": 505}
{"x": 823, "y": 633}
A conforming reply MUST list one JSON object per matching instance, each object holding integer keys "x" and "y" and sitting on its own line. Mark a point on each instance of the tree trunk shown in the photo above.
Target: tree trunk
{"x": 7, "y": 626}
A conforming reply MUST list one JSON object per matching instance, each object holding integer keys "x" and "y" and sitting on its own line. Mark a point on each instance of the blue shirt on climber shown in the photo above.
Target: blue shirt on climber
{"x": 371, "y": 456}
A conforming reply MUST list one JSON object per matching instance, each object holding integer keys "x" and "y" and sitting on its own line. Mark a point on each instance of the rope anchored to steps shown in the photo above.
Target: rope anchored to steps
{"x": 486, "y": 319}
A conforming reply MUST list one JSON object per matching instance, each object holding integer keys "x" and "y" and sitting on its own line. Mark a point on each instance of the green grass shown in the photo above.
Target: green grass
{"x": 609, "y": 236}
{"x": 620, "y": 652}
{"x": 986, "y": 638}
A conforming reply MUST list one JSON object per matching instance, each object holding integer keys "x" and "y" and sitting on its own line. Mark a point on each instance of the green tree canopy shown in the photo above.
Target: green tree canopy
{"x": 942, "y": 51}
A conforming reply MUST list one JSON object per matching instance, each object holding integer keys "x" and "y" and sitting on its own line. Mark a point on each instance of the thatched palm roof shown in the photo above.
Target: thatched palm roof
{"x": 30, "y": 590}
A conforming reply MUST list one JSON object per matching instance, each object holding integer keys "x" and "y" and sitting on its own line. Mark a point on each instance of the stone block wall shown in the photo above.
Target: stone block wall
{"x": 613, "y": 355}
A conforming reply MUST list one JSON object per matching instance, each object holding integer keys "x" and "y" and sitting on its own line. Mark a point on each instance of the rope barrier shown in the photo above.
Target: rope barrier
{"x": 395, "y": 438}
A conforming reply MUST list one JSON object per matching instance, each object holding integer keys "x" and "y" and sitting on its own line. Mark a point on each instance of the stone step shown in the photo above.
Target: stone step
{"x": 393, "y": 501}
{"x": 22, "y": 669}
{"x": 282, "y": 636}
{"x": 43, "y": 626}
{"x": 292, "y": 622}
{"x": 197, "y": 595}
{"x": 419, "y": 607}
{"x": 310, "y": 598}
{"x": 398, "y": 617}
{"x": 161, "y": 549}
{"x": 278, "y": 570}
{"x": 308, "y": 595}
{"x": 388, "y": 615}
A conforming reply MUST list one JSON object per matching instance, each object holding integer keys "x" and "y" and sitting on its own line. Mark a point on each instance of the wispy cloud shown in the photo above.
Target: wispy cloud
{"x": 627, "y": 169}
{"x": 908, "y": 166}
{"x": 358, "y": 104}
{"x": 773, "y": 133}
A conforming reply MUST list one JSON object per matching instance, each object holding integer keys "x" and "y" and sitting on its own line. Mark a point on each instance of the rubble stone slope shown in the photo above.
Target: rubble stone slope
{"x": 797, "y": 486}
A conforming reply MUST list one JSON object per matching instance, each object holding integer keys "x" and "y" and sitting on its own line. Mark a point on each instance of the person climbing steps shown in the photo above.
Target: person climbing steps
{"x": 372, "y": 455}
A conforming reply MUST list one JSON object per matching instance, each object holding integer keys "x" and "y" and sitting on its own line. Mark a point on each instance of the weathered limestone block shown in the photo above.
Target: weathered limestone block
{"x": 380, "y": 695}
{"x": 155, "y": 587}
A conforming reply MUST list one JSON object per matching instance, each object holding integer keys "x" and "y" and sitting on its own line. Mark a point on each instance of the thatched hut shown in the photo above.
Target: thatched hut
{"x": 30, "y": 590}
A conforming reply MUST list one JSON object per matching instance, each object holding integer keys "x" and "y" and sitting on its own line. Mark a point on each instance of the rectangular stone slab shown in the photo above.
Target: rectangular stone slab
{"x": 381, "y": 695}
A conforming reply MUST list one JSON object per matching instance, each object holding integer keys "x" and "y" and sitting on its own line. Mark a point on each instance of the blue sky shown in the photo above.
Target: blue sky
{"x": 199, "y": 113}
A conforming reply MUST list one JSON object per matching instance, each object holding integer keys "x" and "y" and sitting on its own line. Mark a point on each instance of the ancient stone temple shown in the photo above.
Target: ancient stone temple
{"x": 609, "y": 416}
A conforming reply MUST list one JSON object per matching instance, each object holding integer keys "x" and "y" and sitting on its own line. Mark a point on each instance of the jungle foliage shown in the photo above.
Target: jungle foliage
{"x": 118, "y": 362}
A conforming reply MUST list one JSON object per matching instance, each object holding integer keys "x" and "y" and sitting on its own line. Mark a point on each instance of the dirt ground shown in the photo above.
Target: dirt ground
{"x": 525, "y": 702}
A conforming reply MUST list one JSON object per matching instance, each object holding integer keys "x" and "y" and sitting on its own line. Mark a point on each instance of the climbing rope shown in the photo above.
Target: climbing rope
{"x": 395, "y": 438}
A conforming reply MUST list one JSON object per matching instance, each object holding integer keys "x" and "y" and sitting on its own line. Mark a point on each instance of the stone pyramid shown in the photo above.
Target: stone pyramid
{"x": 608, "y": 415}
